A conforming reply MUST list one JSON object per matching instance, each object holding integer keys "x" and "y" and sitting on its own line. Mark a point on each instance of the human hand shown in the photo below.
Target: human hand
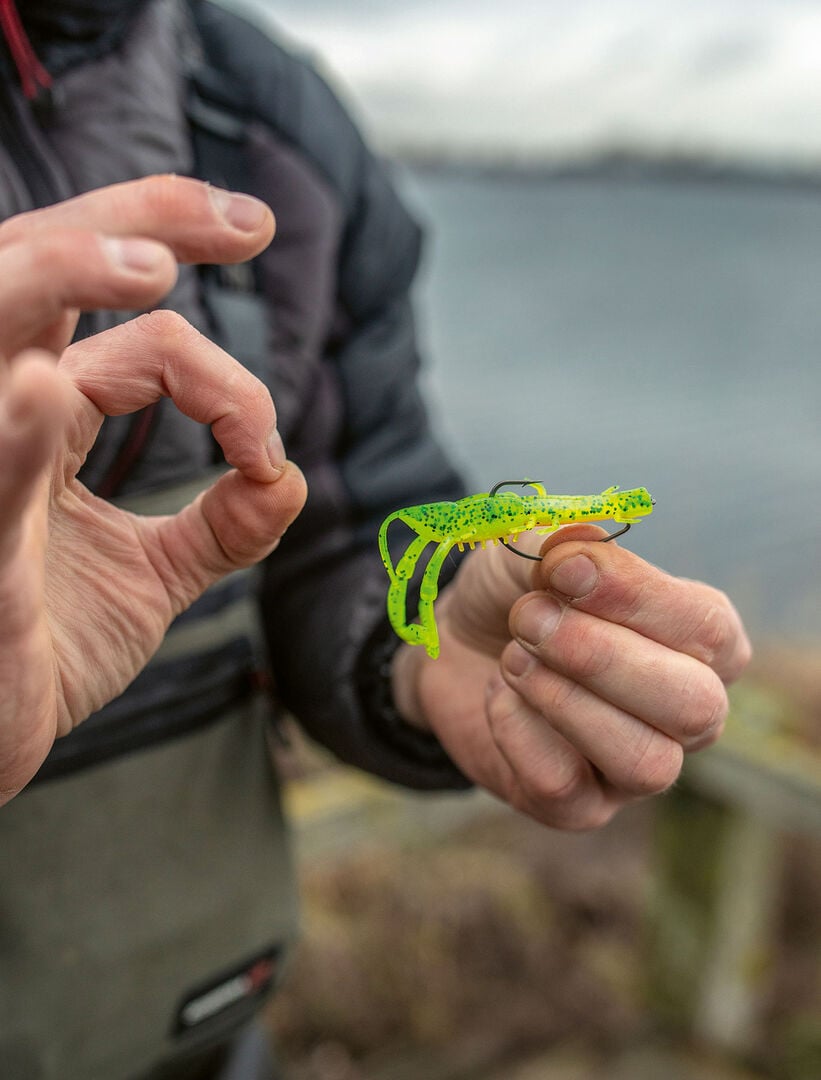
{"x": 86, "y": 590}
{"x": 117, "y": 248}
{"x": 573, "y": 688}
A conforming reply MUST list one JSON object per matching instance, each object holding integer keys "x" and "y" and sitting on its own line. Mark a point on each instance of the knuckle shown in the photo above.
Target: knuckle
{"x": 657, "y": 766}
{"x": 503, "y": 712}
{"x": 632, "y": 599}
{"x": 590, "y": 654}
{"x": 713, "y": 718}
{"x": 545, "y": 783}
{"x": 554, "y": 788}
{"x": 712, "y": 633}
{"x": 561, "y": 785}
{"x": 704, "y": 710}
{"x": 239, "y": 541}
{"x": 561, "y": 697}
{"x": 718, "y": 630}
{"x": 16, "y": 228}
{"x": 571, "y": 806}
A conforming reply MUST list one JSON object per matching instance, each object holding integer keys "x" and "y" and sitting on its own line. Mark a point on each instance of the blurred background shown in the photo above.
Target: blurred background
{"x": 621, "y": 286}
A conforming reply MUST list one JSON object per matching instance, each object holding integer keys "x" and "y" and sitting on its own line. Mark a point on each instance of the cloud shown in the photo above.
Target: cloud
{"x": 735, "y": 77}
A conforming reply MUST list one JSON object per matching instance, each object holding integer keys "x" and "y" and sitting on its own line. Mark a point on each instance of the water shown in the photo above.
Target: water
{"x": 587, "y": 333}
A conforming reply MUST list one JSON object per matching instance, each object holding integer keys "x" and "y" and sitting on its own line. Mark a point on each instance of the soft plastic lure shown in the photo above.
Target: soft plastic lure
{"x": 489, "y": 516}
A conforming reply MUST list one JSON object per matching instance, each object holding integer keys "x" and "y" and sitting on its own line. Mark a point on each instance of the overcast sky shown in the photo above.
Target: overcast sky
{"x": 731, "y": 77}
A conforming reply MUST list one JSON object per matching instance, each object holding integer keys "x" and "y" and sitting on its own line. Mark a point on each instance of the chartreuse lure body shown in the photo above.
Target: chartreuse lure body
{"x": 490, "y": 516}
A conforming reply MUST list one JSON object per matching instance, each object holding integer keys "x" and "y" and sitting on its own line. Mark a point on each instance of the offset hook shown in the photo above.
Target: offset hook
{"x": 515, "y": 483}
{"x": 521, "y": 554}
{"x": 612, "y": 536}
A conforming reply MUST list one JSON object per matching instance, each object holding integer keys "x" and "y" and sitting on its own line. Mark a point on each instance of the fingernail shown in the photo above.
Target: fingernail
{"x": 134, "y": 254}
{"x": 537, "y": 620}
{"x": 575, "y": 577}
{"x": 241, "y": 211}
{"x": 276, "y": 450}
{"x": 517, "y": 660}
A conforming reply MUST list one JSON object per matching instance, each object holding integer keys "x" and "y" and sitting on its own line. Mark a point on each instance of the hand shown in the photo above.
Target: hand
{"x": 115, "y": 248}
{"x": 571, "y": 689}
{"x": 86, "y": 590}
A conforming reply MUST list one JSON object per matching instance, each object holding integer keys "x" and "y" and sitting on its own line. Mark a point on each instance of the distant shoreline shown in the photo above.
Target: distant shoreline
{"x": 618, "y": 165}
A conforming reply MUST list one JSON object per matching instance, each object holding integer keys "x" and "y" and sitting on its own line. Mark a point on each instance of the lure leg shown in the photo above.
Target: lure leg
{"x": 427, "y": 595}
{"x": 398, "y": 594}
{"x": 384, "y": 551}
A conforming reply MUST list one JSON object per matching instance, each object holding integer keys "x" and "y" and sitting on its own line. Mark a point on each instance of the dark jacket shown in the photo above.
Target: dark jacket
{"x": 147, "y": 895}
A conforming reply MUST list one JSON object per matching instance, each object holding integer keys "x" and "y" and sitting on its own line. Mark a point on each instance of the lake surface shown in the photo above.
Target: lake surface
{"x": 588, "y": 333}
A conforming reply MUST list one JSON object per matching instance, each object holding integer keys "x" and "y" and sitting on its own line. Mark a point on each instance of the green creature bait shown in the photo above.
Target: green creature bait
{"x": 477, "y": 519}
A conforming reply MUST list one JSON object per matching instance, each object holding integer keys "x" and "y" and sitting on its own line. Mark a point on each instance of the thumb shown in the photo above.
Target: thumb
{"x": 233, "y": 524}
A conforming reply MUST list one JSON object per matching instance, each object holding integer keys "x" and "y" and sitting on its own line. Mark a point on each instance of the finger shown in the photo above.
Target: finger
{"x": 549, "y": 779}
{"x": 161, "y": 355}
{"x": 33, "y": 415}
{"x": 660, "y": 686}
{"x": 614, "y": 584}
{"x": 635, "y": 757}
{"x": 200, "y": 223}
{"x": 51, "y": 275}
